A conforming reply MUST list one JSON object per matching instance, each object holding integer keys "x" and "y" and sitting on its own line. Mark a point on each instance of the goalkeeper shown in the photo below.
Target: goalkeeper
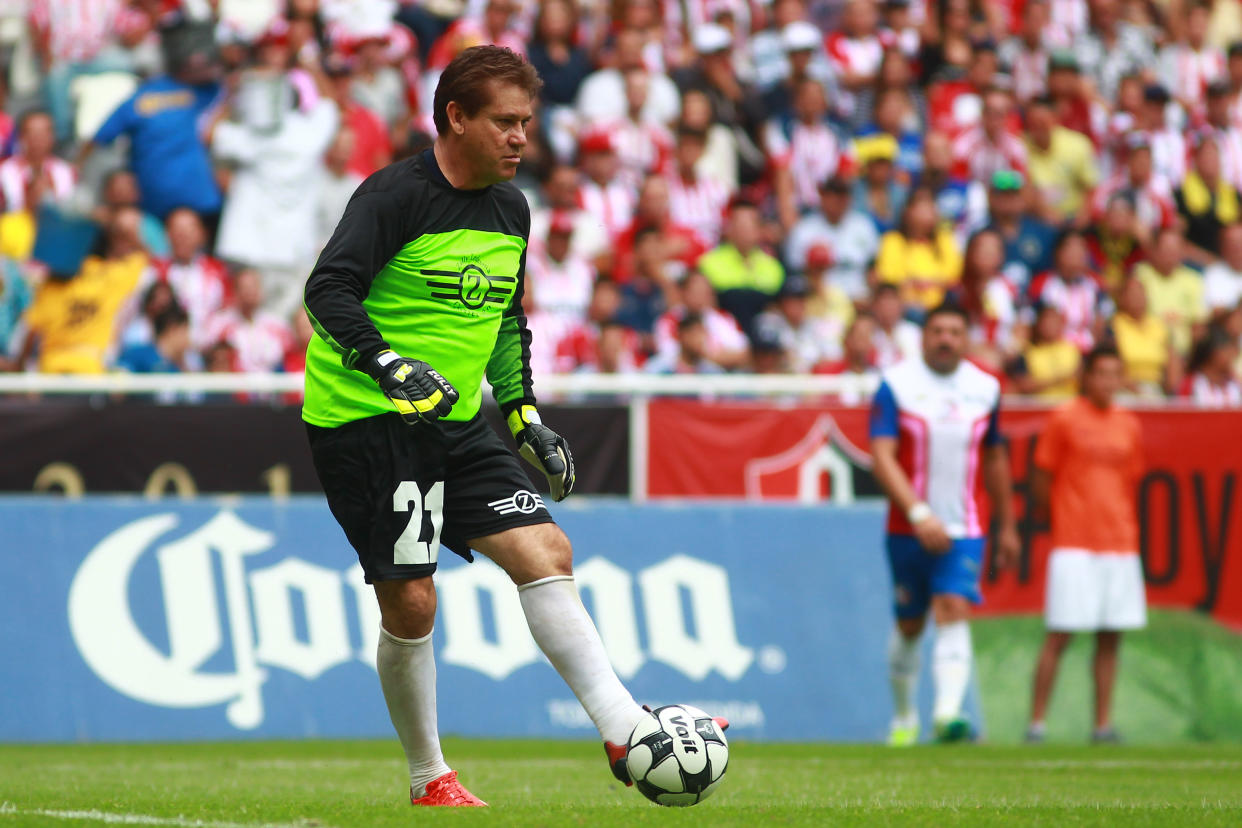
{"x": 417, "y": 297}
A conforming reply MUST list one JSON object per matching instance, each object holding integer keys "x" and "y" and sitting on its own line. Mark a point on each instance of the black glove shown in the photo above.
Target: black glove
{"x": 544, "y": 449}
{"x": 415, "y": 388}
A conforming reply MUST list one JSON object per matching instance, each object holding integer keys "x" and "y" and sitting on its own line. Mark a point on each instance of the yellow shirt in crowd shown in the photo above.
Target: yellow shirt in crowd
{"x": 76, "y": 319}
{"x": 1066, "y": 173}
{"x": 1049, "y": 360}
{"x": 923, "y": 270}
{"x": 1144, "y": 347}
{"x": 1177, "y": 299}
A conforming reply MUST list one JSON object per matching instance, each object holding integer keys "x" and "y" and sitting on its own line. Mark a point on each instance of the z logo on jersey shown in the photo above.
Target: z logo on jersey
{"x": 521, "y": 501}
{"x": 472, "y": 287}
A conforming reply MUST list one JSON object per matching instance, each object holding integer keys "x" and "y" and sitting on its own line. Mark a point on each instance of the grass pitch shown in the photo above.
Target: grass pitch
{"x": 347, "y": 784}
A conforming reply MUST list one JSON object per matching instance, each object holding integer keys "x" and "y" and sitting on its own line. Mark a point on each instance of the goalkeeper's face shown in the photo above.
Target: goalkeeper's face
{"x": 496, "y": 135}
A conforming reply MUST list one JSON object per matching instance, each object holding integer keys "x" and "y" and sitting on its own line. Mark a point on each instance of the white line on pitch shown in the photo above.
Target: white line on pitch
{"x": 9, "y": 809}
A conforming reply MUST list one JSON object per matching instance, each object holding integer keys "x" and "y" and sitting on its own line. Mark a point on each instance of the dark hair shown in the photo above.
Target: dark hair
{"x": 690, "y": 320}
{"x": 1105, "y": 350}
{"x": 946, "y": 309}
{"x": 1203, "y": 350}
{"x": 883, "y": 289}
{"x": 25, "y": 117}
{"x": 169, "y": 317}
{"x": 1063, "y": 238}
{"x": 466, "y": 78}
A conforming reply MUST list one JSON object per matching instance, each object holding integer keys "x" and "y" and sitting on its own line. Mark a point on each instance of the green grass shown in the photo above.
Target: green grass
{"x": 1178, "y": 682}
{"x": 566, "y": 783}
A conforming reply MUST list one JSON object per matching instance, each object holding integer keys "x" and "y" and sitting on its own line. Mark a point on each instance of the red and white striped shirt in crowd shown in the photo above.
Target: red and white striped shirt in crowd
{"x": 77, "y": 30}
{"x": 811, "y": 152}
{"x": 641, "y": 147}
{"x": 201, "y": 286}
{"x": 699, "y": 205}
{"x": 1082, "y": 299}
{"x": 1068, "y": 20}
{"x": 560, "y": 289}
{"x": 953, "y": 106}
{"x": 1208, "y": 394}
{"x": 1153, "y": 206}
{"x": 1188, "y": 71}
{"x": 689, "y": 15}
{"x": 1168, "y": 153}
{"x": 977, "y": 157}
{"x": 1030, "y": 73}
{"x": 723, "y": 332}
{"x": 612, "y": 206}
{"x": 1229, "y": 142}
{"x": 853, "y": 56}
{"x": 259, "y": 343}
{"x": 16, "y": 173}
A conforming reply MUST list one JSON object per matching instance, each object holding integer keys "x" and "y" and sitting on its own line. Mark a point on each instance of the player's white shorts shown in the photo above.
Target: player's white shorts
{"x": 1089, "y": 591}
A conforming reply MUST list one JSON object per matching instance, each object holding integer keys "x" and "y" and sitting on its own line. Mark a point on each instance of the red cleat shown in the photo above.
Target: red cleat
{"x": 616, "y": 761}
{"x": 447, "y": 791}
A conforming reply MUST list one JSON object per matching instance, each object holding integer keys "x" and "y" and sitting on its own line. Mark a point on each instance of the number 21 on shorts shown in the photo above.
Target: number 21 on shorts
{"x": 410, "y": 548}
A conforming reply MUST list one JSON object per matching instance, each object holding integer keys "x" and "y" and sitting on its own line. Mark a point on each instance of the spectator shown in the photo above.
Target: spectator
{"x": 808, "y": 340}
{"x": 157, "y": 298}
{"x": 855, "y": 50}
{"x": 1048, "y": 366}
{"x": 745, "y": 277}
{"x": 896, "y": 338}
{"x": 826, "y": 301}
{"x": 726, "y": 344}
{"x": 642, "y": 146}
{"x": 961, "y": 202}
{"x": 1112, "y": 48}
{"x": 894, "y": 115}
{"x": 1152, "y": 194}
{"x": 34, "y": 159}
{"x": 14, "y": 299}
{"x": 989, "y": 301}
{"x": 1114, "y": 241}
{"x": 1212, "y": 380}
{"x": 1026, "y": 53}
{"x": 168, "y": 352}
{"x": 337, "y": 184}
{"x": 877, "y": 192}
{"x": 167, "y": 154}
{"x": 560, "y": 196}
{"x": 602, "y": 194}
{"x": 258, "y": 339}
{"x": 1028, "y": 241}
{"x": 561, "y": 64}
{"x": 1062, "y": 166}
{"x": 857, "y": 359}
{"x": 1070, "y": 94}
{"x": 199, "y": 282}
{"x": 1222, "y": 281}
{"x": 1206, "y": 202}
{"x": 848, "y": 236}
{"x": 652, "y": 290}
{"x": 376, "y": 84}
{"x": 273, "y": 192}
{"x": 681, "y": 244}
{"x": 894, "y": 81}
{"x": 371, "y": 148}
{"x": 1142, "y": 340}
{"x": 719, "y": 161}
{"x": 805, "y": 151}
{"x": 1072, "y": 288}
{"x": 801, "y": 54}
{"x": 691, "y": 356}
{"x": 1174, "y": 291}
{"x": 601, "y": 343}
{"x": 988, "y": 148}
{"x": 1190, "y": 63}
{"x": 601, "y": 97}
{"x": 558, "y": 280}
{"x": 922, "y": 257}
{"x": 1222, "y": 127}
{"x": 72, "y": 324}
{"x": 695, "y": 201}
{"x": 120, "y": 189}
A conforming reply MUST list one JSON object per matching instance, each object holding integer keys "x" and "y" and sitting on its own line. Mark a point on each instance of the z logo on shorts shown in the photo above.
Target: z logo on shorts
{"x": 521, "y": 501}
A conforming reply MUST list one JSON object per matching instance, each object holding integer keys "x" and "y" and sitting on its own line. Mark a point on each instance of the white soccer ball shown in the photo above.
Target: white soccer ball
{"x": 677, "y": 755}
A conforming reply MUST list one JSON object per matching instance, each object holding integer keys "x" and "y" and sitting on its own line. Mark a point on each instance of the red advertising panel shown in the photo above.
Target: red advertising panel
{"x": 1190, "y": 506}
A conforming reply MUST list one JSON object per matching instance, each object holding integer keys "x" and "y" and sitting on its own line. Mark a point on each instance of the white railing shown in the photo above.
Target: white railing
{"x": 557, "y": 385}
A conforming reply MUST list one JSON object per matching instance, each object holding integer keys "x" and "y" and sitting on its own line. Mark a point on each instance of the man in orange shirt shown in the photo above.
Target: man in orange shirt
{"x": 1089, "y": 456}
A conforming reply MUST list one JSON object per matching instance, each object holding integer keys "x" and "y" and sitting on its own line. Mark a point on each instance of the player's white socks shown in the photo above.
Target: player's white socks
{"x": 407, "y": 672}
{"x": 564, "y": 631}
{"x": 951, "y": 658}
{"x": 903, "y": 675}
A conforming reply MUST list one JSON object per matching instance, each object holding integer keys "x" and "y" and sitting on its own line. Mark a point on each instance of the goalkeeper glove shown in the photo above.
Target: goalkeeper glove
{"x": 415, "y": 388}
{"x": 544, "y": 449}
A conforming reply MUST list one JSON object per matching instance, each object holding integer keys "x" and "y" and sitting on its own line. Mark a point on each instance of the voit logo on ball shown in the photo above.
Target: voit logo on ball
{"x": 212, "y": 609}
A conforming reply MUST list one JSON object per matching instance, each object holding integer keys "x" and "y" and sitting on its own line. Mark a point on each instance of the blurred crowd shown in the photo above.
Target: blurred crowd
{"x": 716, "y": 185}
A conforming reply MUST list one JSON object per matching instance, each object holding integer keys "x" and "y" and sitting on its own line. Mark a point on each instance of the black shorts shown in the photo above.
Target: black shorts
{"x": 399, "y": 491}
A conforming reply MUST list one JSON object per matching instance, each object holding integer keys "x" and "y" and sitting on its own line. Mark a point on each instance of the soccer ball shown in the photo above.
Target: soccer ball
{"x": 677, "y": 755}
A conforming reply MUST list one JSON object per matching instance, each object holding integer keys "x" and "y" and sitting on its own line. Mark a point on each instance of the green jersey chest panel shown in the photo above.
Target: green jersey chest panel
{"x": 465, "y": 273}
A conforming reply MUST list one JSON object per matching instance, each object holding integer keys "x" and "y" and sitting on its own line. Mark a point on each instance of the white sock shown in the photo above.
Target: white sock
{"x": 407, "y": 672}
{"x": 563, "y": 630}
{"x": 951, "y": 657}
{"x": 903, "y": 675}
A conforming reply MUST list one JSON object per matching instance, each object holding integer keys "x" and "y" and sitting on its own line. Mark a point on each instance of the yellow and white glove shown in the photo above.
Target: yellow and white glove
{"x": 417, "y": 390}
{"x": 544, "y": 449}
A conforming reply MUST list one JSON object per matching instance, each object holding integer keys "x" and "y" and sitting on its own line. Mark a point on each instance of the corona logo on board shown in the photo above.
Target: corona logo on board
{"x": 307, "y": 619}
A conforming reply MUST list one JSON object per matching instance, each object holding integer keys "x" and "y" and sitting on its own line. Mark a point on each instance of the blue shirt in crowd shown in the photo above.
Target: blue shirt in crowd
{"x": 166, "y": 153}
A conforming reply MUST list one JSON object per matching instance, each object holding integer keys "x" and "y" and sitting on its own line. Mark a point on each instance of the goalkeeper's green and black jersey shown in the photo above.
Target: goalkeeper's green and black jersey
{"x": 432, "y": 272}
